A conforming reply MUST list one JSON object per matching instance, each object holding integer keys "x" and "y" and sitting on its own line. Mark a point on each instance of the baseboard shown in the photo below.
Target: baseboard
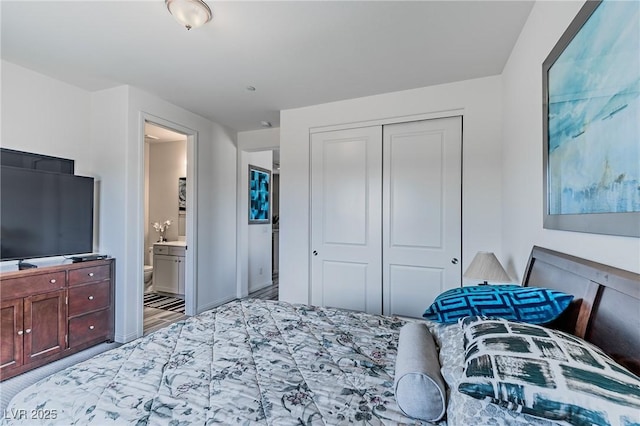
{"x": 214, "y": 304}
{"x": 260, "y": 287}
{"x": 125, "y": 338}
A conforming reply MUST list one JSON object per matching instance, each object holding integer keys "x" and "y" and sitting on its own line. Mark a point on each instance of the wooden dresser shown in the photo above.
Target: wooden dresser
{"x": 51, "y": 312}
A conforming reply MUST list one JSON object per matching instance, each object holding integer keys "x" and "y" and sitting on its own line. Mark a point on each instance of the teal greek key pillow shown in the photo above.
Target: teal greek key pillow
{"x": 527, "y": 304}
{"x": 546, "y": 373}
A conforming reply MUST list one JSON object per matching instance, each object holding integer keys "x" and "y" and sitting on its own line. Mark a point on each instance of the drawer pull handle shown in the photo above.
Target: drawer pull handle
{"x": 90, "y": 274}
{"x": 52, "y": 281}
{"x": 20, "y": 332}
{"x": 90, "y": 297}
{"x": 28, "y": 330}
{"x": 91, "y": 327}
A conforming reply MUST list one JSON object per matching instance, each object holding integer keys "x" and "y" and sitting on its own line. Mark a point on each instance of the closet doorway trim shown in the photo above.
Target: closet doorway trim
{"x": 459, "y": 112}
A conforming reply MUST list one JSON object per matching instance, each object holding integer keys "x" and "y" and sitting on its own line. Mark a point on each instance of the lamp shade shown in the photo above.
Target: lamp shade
{"x": 190, "y": 13}
{"x": 486, "y": 267}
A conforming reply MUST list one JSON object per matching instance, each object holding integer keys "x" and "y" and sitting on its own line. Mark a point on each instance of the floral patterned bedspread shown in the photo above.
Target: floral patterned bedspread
{"x": 246, "y": 362}
{"x": 253, "y": 362}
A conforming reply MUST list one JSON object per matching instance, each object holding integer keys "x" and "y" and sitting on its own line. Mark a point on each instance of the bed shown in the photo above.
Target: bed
{"x": 267, "y": 362}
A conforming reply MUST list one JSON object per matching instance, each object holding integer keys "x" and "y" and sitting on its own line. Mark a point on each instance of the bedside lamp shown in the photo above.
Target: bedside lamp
{"x": 486, "y": 267}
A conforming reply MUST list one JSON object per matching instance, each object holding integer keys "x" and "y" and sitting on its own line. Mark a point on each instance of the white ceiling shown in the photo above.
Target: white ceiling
{"x": 295, "y": 53}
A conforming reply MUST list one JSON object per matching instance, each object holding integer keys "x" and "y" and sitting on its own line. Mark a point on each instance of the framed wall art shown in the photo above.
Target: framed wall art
{"x": 182, "y": 194}
{"x": 591, "y": 122}
{"x": 259, "y": 195}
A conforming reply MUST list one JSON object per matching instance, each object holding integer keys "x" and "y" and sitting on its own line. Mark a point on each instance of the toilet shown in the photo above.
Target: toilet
{"x": 148, "y": 278}
{"x": 148, "y": 272}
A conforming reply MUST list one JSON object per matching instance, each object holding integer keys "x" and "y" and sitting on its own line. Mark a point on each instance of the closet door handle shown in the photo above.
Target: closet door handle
{"x": 315, "y": 253}
{"x": 454, "y": 260}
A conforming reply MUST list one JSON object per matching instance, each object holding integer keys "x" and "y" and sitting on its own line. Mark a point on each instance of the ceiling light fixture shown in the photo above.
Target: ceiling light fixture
{"x": 265, "y": 124}
{"x": 151, "y": 137}
{"x": 190, "y": 13}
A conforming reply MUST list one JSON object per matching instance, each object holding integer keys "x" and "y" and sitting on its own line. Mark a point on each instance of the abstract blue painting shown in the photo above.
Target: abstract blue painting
{"x": 594, "y": 116}
{"x": 259, "y": 196}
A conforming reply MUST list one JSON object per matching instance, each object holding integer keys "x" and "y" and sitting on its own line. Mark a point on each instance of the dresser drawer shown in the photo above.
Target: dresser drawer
{"x": 88, "y": 327}
{"x": 89, "y": 297}
{"x": 24, "y": 286}
{"x": 88, "y": 275}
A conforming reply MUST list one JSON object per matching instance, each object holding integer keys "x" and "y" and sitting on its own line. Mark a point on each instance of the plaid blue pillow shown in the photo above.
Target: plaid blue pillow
{"x": 526, "y": 304}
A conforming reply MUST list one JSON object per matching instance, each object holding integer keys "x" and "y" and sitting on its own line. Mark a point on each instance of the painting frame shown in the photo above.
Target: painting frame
{"x": 556, "y": 156}
{"x": 259, "y": 195}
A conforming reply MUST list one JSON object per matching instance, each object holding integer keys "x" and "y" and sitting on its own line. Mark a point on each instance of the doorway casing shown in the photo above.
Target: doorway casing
{"x": 191, "y": 214}
{"x": 250, "y": 141}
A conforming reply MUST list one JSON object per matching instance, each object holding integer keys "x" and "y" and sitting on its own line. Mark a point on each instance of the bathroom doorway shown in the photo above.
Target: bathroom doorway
{"x": 165, "y": 226}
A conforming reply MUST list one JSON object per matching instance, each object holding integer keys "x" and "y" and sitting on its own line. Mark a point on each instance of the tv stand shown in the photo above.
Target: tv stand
{"x": 54, "y": 311}
{"x": 22, "y": 265}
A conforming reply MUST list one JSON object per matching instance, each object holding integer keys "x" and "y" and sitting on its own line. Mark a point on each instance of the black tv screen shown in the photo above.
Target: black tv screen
{"x": 44, "y": 214}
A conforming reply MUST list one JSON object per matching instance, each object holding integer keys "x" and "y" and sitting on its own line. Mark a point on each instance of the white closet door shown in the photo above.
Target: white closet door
{"x": 422, "y": 185}
{"x": 346, "y": 205}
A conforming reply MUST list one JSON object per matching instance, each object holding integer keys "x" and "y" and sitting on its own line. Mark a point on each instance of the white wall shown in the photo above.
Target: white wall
{"x": 257, "y": 140}
{"x": 522, "y": 153}
{"x": 214, "y": 163}
{"x": 167, "y": 163}
{"x": 217, "y": 218}
{"x": 103, "y": 132}
{"x": 108, "y": 121}
{"x": 45, "y": 116}
{"x": 259, "y": 235}
{"x": 478, "y": 100}
{"x": 254, "y": 147}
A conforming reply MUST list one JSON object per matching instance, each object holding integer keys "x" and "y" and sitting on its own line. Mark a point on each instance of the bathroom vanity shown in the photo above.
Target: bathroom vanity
{"x": 168, "y": 267}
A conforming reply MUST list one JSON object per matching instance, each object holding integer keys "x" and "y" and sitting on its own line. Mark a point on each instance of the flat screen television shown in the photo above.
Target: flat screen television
{"x": 44, "y": 214}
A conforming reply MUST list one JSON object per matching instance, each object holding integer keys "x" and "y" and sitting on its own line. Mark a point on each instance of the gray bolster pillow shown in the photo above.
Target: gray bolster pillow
{"x": 419, "y": 387}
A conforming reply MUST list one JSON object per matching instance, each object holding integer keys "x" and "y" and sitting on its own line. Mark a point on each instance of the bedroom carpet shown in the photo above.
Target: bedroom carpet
{"x": 12, "y": 386}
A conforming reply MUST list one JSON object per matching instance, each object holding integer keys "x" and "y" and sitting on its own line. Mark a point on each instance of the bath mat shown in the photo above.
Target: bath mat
{"x": 159, "y": 301}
